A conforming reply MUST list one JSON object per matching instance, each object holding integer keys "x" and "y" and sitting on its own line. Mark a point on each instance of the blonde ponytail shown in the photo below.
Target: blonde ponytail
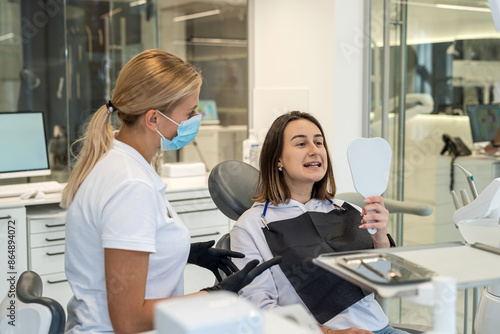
{"x": 153, "y": 79}
{"x": 96, "y": 142}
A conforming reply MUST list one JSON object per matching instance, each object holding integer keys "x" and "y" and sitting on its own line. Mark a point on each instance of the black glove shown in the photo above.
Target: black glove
{"x": 202, "y": 254}
{"x": 245, "y": 276}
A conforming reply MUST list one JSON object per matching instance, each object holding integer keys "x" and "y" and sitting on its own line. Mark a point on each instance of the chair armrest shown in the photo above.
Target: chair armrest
{"x": 410, "y": 207}
{"x": 394, "y": 206}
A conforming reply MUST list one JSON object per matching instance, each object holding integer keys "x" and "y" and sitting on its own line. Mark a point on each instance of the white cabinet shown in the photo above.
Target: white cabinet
{"x": 39, "y": 238}
{"x": 46, "y": 242}
{"x": 12, "y": 246}
{"x": 205, "y": 222}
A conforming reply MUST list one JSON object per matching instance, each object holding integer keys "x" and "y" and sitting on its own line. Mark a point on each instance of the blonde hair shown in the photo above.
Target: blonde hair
{"x": 153, "y": 79}
{"x": 271, "y": 184}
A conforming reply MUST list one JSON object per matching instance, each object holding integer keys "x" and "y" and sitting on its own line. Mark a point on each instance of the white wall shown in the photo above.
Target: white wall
{"x": 307, "y": 55}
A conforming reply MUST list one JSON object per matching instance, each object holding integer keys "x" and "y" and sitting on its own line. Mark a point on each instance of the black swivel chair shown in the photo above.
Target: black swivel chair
{"x": 34, "y": 314}
{"x": 232, "y": 185}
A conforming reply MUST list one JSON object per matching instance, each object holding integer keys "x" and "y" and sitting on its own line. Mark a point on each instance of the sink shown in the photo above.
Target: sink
{"x": 485, "y": 231}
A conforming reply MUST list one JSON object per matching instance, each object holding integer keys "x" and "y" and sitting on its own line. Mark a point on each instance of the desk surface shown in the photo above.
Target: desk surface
{"x": 469, "y": 266}
{"x": 173, "y": 185}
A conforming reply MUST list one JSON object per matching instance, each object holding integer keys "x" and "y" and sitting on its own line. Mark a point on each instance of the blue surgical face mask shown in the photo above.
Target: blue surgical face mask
{"x": 186, "y": 132}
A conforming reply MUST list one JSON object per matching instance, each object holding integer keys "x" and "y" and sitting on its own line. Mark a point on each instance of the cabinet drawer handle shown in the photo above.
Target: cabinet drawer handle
{"x": 205, "y": 235}
{"x": 189, "y": 199}
{"x": 55, "y": 282}
{"x": 194, "y": 211}
{"x": 55, "y": 239}
{"x": 53, "y": 254}
{"x": 55, "y": 225}
{"x": 6, "y": 217}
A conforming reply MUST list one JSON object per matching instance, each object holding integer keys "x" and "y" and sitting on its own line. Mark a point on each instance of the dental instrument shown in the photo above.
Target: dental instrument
{"x": 456, "y": 201}
{"x": 465, "y": 197}
{"x": 478, "y": 222}
{"x": 470, "y": 181}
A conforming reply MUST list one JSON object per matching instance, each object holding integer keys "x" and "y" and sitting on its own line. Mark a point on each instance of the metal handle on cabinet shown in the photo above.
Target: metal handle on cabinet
{"x": 205, "y": 235}
{"x": 189, "y": 199}
{"x": 195, "y": 211}
{"x": 53, "y": 254}
{"x": 55, "y": 239}
{"x": 55, "y": 225}
{"x": 58, "y": 281}
{"x": 6, "y": 217}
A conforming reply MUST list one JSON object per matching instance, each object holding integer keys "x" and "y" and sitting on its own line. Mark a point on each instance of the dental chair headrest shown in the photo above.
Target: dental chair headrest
{"x": 232, "y": 185}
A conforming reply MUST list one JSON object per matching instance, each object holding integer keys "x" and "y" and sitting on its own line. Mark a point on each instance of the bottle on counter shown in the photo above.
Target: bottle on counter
{"x": 251, "y": 149}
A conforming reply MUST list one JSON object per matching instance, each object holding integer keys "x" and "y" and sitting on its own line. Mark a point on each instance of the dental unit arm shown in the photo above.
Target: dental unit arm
{"x": 486, "y": 205}
{"x": 478, "y": 222}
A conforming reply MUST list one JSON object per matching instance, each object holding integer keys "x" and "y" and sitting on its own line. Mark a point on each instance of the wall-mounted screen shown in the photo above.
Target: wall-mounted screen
{"x": 208, "y": 111}
{"x": 23, "y": 145}
{"x": 484, "y": 121}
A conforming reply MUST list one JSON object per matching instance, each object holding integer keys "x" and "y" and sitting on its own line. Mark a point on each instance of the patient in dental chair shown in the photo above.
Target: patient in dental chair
{"x": 296, "y": 215}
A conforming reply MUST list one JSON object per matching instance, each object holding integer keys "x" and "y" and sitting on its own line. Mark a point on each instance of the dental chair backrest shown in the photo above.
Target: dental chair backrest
{"x": 29, "y": 311}
{"x": 232, "y": 185}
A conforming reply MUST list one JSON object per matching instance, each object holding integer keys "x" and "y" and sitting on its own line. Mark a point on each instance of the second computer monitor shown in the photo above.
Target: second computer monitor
{"x": 208, "y": 111}
{"x": 484, "y": 121}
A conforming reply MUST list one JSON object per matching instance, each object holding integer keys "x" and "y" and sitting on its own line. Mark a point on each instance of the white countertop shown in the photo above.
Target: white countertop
{"x": 469, "y": 266}
{"x": 173, "y": 185}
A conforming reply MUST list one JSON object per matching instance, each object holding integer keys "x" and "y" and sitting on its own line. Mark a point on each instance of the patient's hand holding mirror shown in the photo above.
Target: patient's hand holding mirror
{"x": 370, "y": 162}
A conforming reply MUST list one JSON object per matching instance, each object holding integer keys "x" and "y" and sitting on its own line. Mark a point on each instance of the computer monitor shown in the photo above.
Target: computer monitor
{"x": 208, "y": 111}
{"x": 484, "y": 121}
{"x": 23, "y": 145}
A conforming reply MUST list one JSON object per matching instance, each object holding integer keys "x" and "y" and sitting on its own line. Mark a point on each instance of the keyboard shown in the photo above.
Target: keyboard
{"x": 14, "y": 190}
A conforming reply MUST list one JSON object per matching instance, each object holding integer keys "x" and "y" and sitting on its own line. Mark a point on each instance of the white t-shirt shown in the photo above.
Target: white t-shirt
{"x": 120, "y": 205}
{"x": 272, "y": 288}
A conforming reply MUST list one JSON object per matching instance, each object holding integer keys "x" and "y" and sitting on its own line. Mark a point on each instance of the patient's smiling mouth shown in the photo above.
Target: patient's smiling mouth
{"x": 313, "y": 164}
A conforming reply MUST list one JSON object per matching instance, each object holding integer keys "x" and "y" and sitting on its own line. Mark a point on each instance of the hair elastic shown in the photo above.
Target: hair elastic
{"x": 110, "y": 107}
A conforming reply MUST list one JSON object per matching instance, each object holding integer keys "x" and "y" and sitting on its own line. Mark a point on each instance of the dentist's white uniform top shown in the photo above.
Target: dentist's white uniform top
{"x": 120, "y": 205}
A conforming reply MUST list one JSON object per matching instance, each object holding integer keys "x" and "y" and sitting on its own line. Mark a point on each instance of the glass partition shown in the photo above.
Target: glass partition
{"x": 102, "y": 36}
{"x": 212, "y": 35}
{"x": 453, "y": 63}
{"x": 33, "y": 75}
{"x": 449, "y": 61}
{"x": 11, "y": 50}
{"x": 62, "y": 58}
{"x": 425, "y": 77}
{"x": 388, "y": 80}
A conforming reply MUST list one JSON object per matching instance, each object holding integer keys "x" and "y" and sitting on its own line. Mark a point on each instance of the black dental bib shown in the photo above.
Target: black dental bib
{"x": 299, "y": 240}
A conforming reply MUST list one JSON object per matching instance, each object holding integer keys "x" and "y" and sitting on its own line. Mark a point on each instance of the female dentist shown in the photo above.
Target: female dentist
{"x": 126, "y": 248}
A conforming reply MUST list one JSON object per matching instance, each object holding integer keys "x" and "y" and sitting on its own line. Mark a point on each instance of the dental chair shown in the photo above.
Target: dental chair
{"x": 33, "y": 314}
{"x": 232, "y": 185}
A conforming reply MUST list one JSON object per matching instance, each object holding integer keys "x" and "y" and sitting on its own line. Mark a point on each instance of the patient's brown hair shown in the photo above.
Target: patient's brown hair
{"x": 271, "y": 185}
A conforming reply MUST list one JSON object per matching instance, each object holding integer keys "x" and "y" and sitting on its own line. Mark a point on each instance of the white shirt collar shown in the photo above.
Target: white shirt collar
{"x": 132, "y": 152}
{"x": 312, "y": 205}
